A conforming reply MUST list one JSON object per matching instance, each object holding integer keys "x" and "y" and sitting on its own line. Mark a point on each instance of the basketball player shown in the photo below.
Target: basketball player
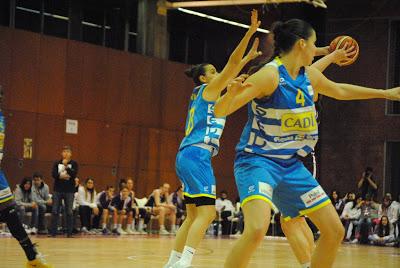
{"x": 201, "y": 143}
{"x": 282, "y": 125}
{"x": 8, "y": 213}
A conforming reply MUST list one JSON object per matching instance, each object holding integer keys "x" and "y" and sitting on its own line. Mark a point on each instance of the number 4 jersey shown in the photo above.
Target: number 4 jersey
{"x": 202, "y": 127}
{"x": 283, "y": 124}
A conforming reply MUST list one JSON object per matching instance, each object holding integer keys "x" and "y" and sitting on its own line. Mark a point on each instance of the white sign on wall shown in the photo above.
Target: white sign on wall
{"x": 71, "y": 126}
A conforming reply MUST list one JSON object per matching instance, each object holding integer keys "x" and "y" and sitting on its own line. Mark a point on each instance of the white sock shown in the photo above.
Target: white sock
{"x": 174, "y": 257}
{"x": 306, "y": 265}
{"x": 115, "y": 226}
{"x": 140, "y": 227}
{"x": 104, "y": 225}
{"x": 177, "y": 227}
{"x": 162, "y": 227}
{"x": 119, "y": 226}
{"x": 129, "y": 226}
{"x": 187, "y": 256}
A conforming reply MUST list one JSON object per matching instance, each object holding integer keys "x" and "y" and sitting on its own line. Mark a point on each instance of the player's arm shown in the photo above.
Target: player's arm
{"x": 235, "y": 62}
{"x": 335, "y": 57}
{"x": 322, "y": 51}
{"x": 262, "y": 83}
{"x": 339, "y": 91}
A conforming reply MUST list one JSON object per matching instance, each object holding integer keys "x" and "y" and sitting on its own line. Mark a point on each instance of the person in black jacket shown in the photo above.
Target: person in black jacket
{"x": 64, "y": 174}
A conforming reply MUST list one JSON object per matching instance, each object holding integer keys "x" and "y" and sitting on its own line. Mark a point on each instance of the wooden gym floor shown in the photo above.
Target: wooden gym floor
{"x": 152, "y": 251}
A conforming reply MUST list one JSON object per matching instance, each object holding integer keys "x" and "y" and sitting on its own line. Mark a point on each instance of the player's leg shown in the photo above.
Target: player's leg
{"x": 10, "y": 217}
{"x": 257, "y": 215}
{"x": 332, "y": 232}
{"x": 182, "y": 234}
{"x": 205, "y": 214}
{"x": 300, "y": 238}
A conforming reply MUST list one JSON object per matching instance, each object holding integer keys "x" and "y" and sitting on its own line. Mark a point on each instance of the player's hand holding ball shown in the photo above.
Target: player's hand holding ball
{"x": 346, "y": 50}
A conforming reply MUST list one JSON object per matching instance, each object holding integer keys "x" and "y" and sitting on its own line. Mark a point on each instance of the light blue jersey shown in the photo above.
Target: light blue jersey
{"x": 202, "y": 127}
{"x": 5, "y": 191}
{"x": 201, "y": 143}
{"x": 283, "y": 124}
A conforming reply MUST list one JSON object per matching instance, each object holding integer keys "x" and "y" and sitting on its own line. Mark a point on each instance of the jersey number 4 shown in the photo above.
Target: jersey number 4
{"x": 300, "y": 98}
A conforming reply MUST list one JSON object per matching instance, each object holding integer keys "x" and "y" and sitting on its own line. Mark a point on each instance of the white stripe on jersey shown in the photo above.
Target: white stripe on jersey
{"x": 272, "y": 113}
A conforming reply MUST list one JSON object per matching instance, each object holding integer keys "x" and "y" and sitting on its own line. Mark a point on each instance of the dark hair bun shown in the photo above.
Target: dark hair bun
{"x": 277, "y": 27}
{"x": 189, "y": 72}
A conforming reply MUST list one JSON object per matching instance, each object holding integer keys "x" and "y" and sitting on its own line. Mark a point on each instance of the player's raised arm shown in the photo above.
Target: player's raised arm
{"x": 235, "y": 63}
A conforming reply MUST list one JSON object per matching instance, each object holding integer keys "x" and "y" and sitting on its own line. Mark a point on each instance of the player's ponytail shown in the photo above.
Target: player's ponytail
{"x": 196, "y": 71}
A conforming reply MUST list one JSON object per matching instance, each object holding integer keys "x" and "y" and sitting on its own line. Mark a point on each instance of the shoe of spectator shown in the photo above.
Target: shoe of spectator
{"x": 84, "y": 230}
{"x": 121, "y": 232}
{"x": 164, "y": 232}
{"x": 33, "y": 231}
{"x": 115, "y": 231}
{"x": 354, "y": 241}
{"x": 105, "y": 231}
{"x": 135, "y": 232}
{"x": 39, "y": 262}
{"x": 129, "y": 231}
{"x": 173, "y": 232}
{"x": 143, "y": 232}
{"x": 392, "y": 244}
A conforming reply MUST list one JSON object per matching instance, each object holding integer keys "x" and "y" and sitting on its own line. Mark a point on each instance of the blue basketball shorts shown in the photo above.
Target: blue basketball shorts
{"x": 193, "y": 167}
{"x": 284, "y": 184}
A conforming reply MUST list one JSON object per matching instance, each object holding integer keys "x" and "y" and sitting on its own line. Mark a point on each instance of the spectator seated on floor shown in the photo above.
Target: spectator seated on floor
{"x": 26, "y": 203}
{"x": 390, "y": 209}
{"x": 41, "y": 195}
{"x": 383, "y": 234}
{"x": 364, "y": 224}
{"x": 351, "y": 214}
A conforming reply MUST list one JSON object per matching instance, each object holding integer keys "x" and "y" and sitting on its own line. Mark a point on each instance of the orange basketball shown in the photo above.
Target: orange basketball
{"x": 339, "y": 42}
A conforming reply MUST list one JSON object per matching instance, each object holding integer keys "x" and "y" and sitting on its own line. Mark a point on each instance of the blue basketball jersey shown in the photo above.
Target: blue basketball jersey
{"x": 5, "y": 191}
{"x": 283, "y": 124}
{"x": 202, "y": 127}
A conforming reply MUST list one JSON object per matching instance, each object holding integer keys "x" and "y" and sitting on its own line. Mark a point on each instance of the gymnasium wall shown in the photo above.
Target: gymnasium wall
{"x": 130, "y": 109}
{"x": 353, "y": 134}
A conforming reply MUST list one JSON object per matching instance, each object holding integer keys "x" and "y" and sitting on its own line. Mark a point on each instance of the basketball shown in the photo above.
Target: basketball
{"x": 339, "y": 42}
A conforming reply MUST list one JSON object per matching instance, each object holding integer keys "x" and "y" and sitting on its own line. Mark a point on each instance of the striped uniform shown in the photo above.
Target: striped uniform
{"x": 5, "y": 191}
{"x": 201, "y": 143}
{"x": 280, "y": 128}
